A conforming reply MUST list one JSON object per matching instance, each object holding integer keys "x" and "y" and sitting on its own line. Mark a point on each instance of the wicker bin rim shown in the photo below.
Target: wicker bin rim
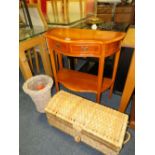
{"x": 34, "y": 79}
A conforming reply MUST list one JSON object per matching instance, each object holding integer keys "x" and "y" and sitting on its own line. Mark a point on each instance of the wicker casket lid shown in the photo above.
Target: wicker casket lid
{"x": 103, "y": 123}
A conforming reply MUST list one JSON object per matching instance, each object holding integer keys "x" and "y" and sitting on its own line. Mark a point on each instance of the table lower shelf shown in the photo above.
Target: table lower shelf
{"x": 81, "y": 82}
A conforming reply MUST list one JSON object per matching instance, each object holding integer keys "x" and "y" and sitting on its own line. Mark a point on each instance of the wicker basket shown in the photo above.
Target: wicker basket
{"x": 98, "y": 126}
{"x": 42, "y": 96}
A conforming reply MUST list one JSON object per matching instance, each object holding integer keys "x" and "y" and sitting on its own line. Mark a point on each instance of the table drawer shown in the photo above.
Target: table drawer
{"x": 59, "y": 46}
{"x": 85, "y": 49}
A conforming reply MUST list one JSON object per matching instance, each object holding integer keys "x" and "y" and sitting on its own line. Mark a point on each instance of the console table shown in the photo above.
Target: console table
{"x": 84, "y": 43}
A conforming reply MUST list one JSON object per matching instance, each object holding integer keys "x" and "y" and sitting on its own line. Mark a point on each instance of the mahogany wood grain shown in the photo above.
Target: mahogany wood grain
{"x": 59, "y": 46}
{"x": 54, "y": 67}
{"x": 116, "y": 60}
{"x": 71, "y": 35}
{"x": 60, "y": 60}
{"x": 84, "y": 43}
{"x": 100, "y": 79}
{"x": 85, "y": 49}
{"x": 79, "y": 81}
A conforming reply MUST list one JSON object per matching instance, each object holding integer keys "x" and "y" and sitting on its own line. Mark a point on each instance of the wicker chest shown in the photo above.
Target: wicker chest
{"x": 98, "y": 126}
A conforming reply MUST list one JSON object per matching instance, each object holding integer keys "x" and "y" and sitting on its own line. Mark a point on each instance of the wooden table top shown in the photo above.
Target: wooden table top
{"x": 73, "y": 34}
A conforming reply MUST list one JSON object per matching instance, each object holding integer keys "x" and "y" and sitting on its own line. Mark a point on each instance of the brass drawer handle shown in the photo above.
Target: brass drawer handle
{"x": 83, "y": 48}
{"x": 58, "y": 45}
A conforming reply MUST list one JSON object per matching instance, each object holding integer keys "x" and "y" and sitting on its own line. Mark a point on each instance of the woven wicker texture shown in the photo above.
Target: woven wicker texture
{"x": 39, "y": 97}
{"x": 105, "y": 123}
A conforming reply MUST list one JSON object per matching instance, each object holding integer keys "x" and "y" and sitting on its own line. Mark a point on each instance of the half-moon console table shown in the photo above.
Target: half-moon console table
{"x": 84, "y": 43}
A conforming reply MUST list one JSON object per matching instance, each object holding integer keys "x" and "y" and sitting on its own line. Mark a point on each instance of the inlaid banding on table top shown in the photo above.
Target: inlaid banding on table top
{"x": 84, "y": 34}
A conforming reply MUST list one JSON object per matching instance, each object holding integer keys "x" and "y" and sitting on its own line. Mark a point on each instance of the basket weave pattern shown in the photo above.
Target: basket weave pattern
{"x": 105, "y": 123}
{"x": 39, "y": 97}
